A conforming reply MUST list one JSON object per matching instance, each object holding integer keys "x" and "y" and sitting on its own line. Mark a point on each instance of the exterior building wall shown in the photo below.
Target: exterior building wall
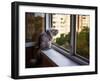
{"x": 62, "y": 23}
{"x": 82, "y": 21}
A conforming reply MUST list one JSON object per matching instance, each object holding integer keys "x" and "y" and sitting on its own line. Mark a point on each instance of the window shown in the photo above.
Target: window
{"x": 54, "y": 22}
{"x": 34, "y": 26}
{"x": 62, "y": 38}
{"x": 82, "y": 38}
{"x": 72, "y": 33}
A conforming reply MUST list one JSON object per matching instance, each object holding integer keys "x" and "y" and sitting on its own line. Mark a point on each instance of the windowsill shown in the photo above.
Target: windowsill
{"x": 72, "y": 57}
{"x": 58, "y": 58}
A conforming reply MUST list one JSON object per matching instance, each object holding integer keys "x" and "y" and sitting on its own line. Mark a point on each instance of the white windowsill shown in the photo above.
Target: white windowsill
{"x": 58, "y": 58}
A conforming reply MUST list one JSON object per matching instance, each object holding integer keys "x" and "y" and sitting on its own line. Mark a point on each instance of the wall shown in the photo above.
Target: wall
{"x": 5, "y": 40}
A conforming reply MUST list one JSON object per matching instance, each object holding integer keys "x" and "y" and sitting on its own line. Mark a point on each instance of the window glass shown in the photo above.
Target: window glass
{"x": 34, "y": 26}
{"x": 82, "y": 37}
{"x": 61, "y": 30}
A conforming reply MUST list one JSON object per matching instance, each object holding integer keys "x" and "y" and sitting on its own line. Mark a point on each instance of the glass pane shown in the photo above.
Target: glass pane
{"x": 34, "y": 26}
{"x": 82, "y": 41}
{"x": 61, "y": 28}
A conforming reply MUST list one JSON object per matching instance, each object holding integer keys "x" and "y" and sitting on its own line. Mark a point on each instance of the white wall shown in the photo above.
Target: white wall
{"x": 5, "y": 40}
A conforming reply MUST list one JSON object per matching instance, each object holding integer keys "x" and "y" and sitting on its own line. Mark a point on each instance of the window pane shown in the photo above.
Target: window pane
{"x": 82, "y": 40}
{"x": 34, "y": 26}
{"x": 61, "y": 27}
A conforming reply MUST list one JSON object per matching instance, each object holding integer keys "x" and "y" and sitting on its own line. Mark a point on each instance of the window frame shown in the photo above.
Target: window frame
{"x": 71, "y": 53}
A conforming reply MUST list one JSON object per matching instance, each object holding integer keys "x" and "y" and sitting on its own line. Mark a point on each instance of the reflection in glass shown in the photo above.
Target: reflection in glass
{"x": 34, "y": 26}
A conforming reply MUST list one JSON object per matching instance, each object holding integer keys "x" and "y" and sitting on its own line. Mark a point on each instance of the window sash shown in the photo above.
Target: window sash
{"x": 73, "y": 37}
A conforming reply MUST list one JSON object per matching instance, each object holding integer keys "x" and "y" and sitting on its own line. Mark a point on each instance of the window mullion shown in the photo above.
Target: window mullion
{"x": 73, "y": 34}
{"x": 48, "y": 23}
